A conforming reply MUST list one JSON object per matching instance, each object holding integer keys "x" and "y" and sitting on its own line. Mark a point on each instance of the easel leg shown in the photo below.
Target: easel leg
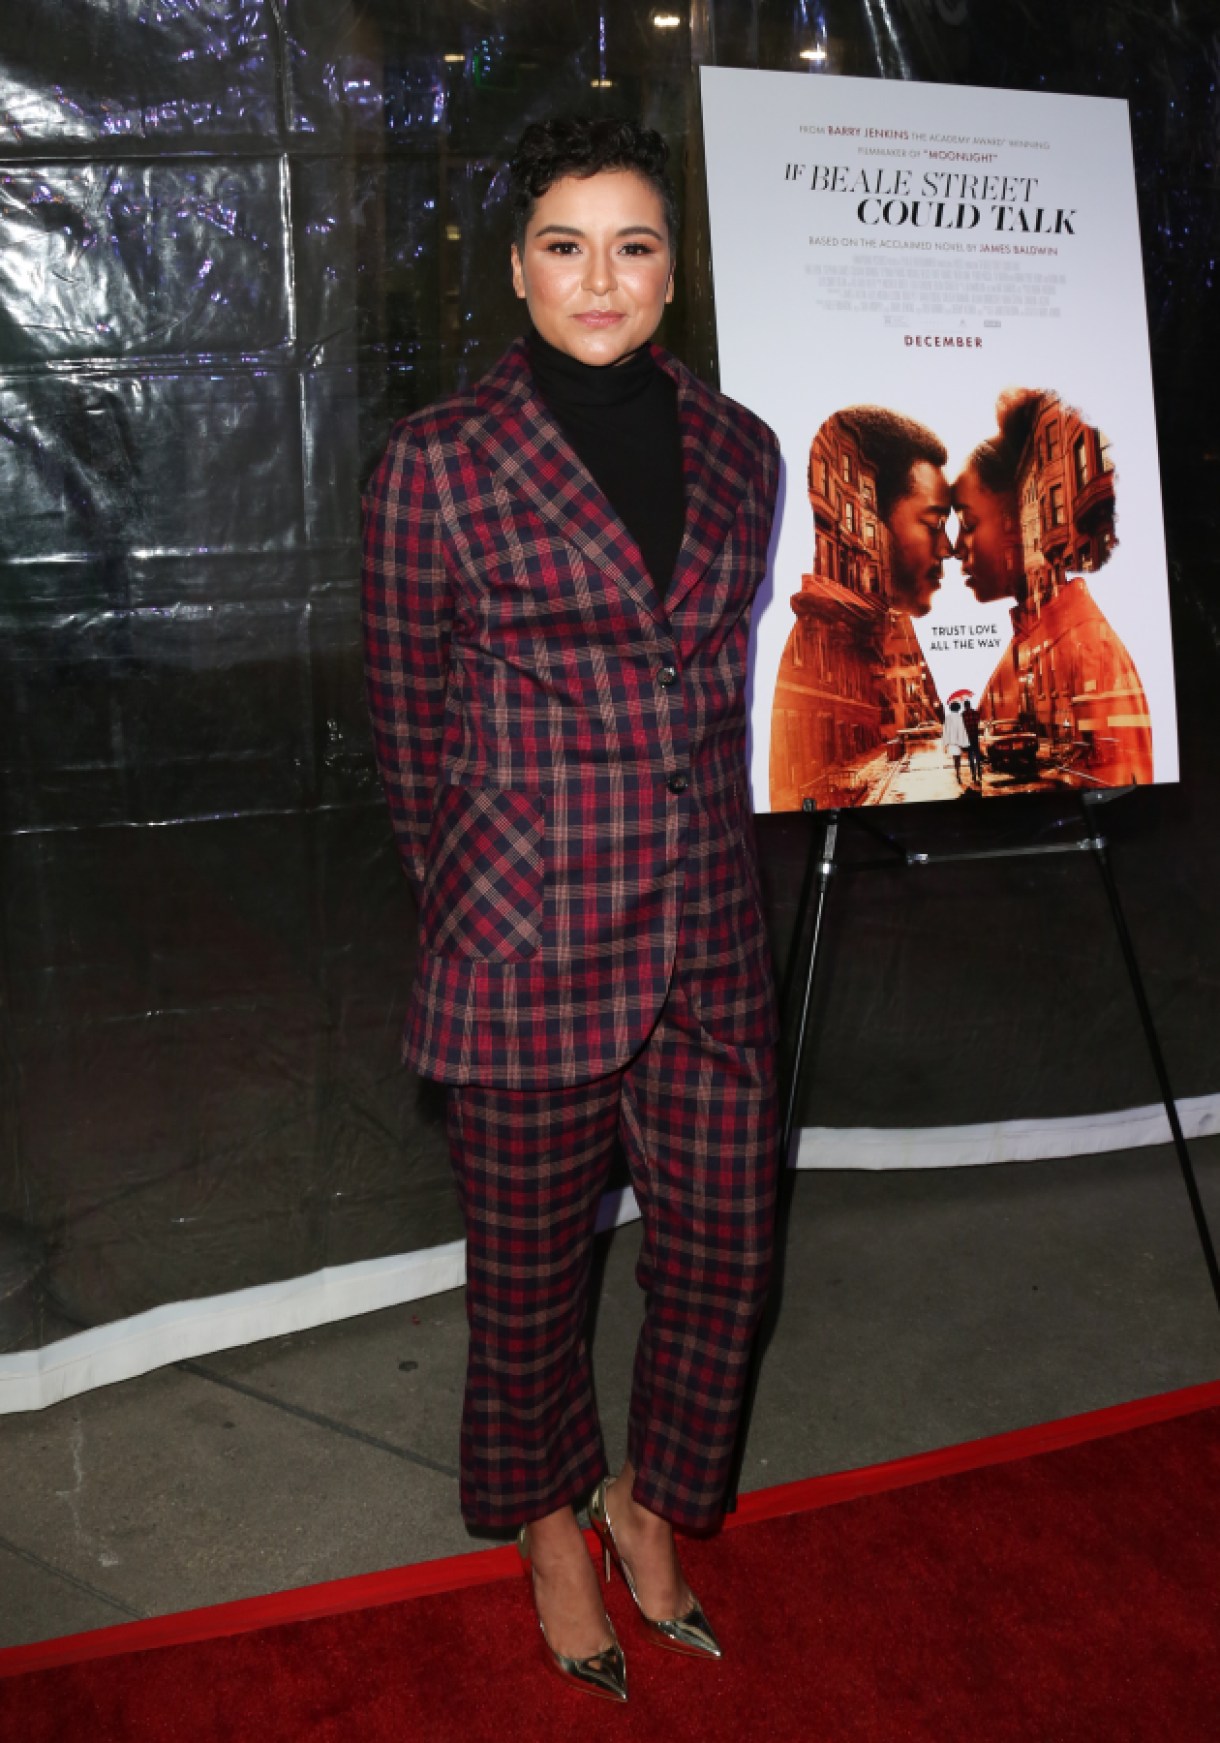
{"x": 824, "y": 870}
{"x": 1101, "y": 856}
{"x": 798, "y": 925}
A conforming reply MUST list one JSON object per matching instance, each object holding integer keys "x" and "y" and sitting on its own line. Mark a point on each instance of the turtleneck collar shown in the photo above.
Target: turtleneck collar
{"x": 622, "y": 423}
{"x": 566, "y": 381}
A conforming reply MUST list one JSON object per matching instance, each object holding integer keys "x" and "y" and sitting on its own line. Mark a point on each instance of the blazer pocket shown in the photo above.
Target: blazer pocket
{"x": 482, "y": 895}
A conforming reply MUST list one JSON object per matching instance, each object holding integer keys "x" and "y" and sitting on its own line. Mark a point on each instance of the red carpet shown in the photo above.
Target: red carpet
{"x": 1069, "y": 1595}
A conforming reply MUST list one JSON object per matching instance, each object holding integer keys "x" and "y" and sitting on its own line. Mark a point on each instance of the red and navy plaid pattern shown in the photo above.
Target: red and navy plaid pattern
{"x": 483, "y": 894}
{"x": 696, "y": 1116}
{"x": 517, "y": 649}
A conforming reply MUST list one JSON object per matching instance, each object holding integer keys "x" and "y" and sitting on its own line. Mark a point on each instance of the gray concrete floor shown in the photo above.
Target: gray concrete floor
{"x": 918, "y": 1310}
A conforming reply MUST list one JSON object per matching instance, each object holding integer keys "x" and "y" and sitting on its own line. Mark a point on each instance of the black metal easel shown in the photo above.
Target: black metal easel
{"x": 820, "y": 868}
{"x": 1093, "y": 842}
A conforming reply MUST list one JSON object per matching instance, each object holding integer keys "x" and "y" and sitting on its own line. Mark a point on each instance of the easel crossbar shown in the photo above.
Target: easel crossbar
{"x": 1091, "y": 843}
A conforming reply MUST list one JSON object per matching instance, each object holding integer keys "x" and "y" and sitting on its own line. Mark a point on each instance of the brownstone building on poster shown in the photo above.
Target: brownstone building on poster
{"x": 1066, "y": 675}
{"x": 851, "y": 677}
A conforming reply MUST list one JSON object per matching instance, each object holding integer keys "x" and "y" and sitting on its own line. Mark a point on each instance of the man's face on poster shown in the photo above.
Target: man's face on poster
{"x": 919, "y": 543}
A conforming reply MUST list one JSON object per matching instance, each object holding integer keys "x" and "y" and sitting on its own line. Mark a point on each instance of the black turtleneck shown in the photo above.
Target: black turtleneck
{"x": 622, "y": 420}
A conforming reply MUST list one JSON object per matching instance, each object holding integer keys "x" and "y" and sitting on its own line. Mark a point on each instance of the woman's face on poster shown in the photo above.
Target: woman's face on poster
{"x": 988, "y": 539}
{"x": 595, "y": 270}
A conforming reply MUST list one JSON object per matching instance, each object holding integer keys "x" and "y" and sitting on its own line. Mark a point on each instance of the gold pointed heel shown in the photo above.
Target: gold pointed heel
{"x": 604, "y": 1673}
{"x": 691, "y": 1633}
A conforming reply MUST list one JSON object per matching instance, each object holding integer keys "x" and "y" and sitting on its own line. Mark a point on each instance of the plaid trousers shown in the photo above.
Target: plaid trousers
{"x": 697, "y": 1119}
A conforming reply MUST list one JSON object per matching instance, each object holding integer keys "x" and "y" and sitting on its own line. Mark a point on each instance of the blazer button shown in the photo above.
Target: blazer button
{"x": 667, "y": 676}
{"x": 677, "y": 783}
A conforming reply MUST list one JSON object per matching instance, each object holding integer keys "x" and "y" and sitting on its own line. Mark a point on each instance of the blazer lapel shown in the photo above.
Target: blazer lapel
{"x": 517, "y": 435}
{"x": 717, "y": 468}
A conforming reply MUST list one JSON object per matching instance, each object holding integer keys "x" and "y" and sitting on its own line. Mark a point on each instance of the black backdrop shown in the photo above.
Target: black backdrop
{"x": 239, "y": 237}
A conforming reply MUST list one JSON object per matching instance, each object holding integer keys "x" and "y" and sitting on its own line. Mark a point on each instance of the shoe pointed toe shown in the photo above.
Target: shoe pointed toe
{"x": 605, "y": 1673}
{"x": 602, "y": 1673}
{"x": 691, "y": 1633}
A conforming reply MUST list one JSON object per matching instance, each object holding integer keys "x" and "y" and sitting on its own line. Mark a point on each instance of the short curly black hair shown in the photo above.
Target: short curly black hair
{"x": 893, "y": 445}
{"x": 583, "y": 145}
{"x": 996, "y": 459}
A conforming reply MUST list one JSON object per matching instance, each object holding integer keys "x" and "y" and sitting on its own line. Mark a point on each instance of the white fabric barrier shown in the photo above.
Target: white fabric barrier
{"x": 1005, "y": 1141}
{"x": 32, "y": 1379}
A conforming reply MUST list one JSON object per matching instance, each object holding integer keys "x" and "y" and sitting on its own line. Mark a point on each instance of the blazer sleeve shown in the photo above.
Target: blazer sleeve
{"x": 771, "y": 465}
{"x": 407, "y": 613}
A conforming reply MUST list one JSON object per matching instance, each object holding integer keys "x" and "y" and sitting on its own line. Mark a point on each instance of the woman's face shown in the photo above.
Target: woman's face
{"x": 989, "y": 539}
{"x": 595, "y": 268}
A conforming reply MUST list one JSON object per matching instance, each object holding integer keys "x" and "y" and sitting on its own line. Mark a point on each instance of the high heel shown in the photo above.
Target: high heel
{"x": 603, "y": 1673}
{"x": 691, "y": 1633}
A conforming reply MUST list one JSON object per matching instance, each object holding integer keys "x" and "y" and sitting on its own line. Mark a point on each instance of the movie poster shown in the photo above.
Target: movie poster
{"x": 934, "y": 295}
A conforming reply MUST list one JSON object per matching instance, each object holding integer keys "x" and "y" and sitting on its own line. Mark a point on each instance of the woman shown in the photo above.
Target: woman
{"x": 559, "y": 572}
{"x": 989, "y": 543}
{"x": 954, "y": 738}
{"x": 1036, "y": 511}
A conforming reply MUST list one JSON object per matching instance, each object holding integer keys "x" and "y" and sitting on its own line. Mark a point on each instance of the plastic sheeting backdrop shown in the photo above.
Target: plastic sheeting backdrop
{"x": 240, "y": 237}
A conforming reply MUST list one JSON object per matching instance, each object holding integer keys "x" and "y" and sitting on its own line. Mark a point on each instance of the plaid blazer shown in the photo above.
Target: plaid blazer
{"x": 563, "y": 751}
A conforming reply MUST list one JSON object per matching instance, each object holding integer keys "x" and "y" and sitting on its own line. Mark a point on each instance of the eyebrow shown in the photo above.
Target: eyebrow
{"x": 573, "y": 230}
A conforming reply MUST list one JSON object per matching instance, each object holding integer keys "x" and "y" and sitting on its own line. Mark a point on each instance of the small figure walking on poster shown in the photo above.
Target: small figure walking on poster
{"x": 974, "y": 751}
{"x": 955, "y": 738}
